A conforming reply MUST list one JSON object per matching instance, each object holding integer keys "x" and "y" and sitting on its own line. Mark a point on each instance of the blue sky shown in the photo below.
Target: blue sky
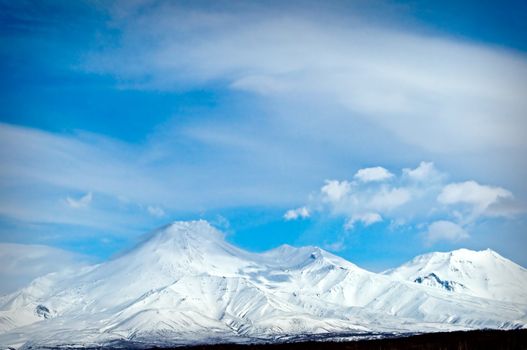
{"x": 118, "y": 117}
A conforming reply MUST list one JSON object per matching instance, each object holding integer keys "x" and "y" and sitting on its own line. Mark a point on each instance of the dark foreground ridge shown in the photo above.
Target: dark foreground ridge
{"x": 484, "y": 339}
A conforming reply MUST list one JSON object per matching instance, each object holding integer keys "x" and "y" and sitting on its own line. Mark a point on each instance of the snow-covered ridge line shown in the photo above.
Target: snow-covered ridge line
{"x": 185, "y": 283}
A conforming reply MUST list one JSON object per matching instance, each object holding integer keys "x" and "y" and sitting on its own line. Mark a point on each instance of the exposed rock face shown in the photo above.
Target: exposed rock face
{"x": 42, "y": 311}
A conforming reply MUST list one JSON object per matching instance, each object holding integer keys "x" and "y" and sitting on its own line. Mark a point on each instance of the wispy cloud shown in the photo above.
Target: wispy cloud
{"x": 155, "y": 211}
{"x": 314, "y": 94}
{"x": 21, "y": 263}
{"x": 82, "y": 202}
{"x": 39, "y": 176}
{"x": 367, "y": 219}
{"x": 337, "y": 95}
{"x": 417, "y": 87}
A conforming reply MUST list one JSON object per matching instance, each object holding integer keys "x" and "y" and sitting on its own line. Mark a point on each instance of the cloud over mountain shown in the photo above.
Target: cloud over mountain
{"x": 419, "y": 197}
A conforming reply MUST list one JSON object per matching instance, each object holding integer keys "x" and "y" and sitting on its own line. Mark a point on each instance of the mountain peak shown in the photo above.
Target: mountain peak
{"x": 196, "y": 227}
{"x": 302, "y": 257}
{"x": 184, "y": 246}
{"x": 185, "y": 232}
{"x": 456, "y": 256}
{"x": 483, "y": 273}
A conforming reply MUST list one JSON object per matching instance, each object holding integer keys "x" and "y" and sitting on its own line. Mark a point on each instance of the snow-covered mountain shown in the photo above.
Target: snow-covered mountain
{"x": 186, "y": 284}
{"x": 484, "y": 274}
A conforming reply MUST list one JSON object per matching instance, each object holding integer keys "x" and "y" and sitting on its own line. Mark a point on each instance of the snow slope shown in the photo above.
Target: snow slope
{"x": 484, "y": 274}
{"x": 186, "y": 284}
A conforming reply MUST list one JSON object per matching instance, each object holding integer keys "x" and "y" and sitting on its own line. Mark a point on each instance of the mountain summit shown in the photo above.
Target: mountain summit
{"x": 185, "y": 284}
{"x": 185, "y": 247}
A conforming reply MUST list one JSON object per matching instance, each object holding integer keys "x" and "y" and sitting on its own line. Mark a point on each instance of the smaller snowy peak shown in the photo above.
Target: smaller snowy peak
{"x": 482, "y": 273}
{"x": 289, "y": 257}
{"x": 302, "y": 257}
{"x": 296, "y": 254}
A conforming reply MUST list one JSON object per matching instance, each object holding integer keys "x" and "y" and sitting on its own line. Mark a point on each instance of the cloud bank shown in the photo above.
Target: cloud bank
{"x": 420, "y": 198}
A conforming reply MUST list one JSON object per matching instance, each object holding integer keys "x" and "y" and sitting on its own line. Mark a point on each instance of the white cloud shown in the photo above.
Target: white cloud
{"x": 330, "y": 93}
{"x": 507, "y": 209}
{"x": 424, "y": 201}
{"x": 155, "y": 211}
{"x": 365, "y": 201}
{"x": 424, "y": 172}
{"x": 366, "y": 219}
{"x": 222, "y": 223}
{"x": 470, "y": 192}
{"x": 334, "y": 190}
{"x": 124, "y": 178}
{"x": 336, "y": 246}
{"x": 370, "y": 218}
{"x": 21, "y": 263}
{"x": 387, "y": 199}
{"x": 443, "y": 230}
{"x": 298, "y": 213}
{"x": 373, "y": 174}
{"x": 82, "y": 202}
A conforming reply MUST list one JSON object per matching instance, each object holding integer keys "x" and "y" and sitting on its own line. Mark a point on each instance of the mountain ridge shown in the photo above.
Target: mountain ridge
{"x": 185, "y": 284}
